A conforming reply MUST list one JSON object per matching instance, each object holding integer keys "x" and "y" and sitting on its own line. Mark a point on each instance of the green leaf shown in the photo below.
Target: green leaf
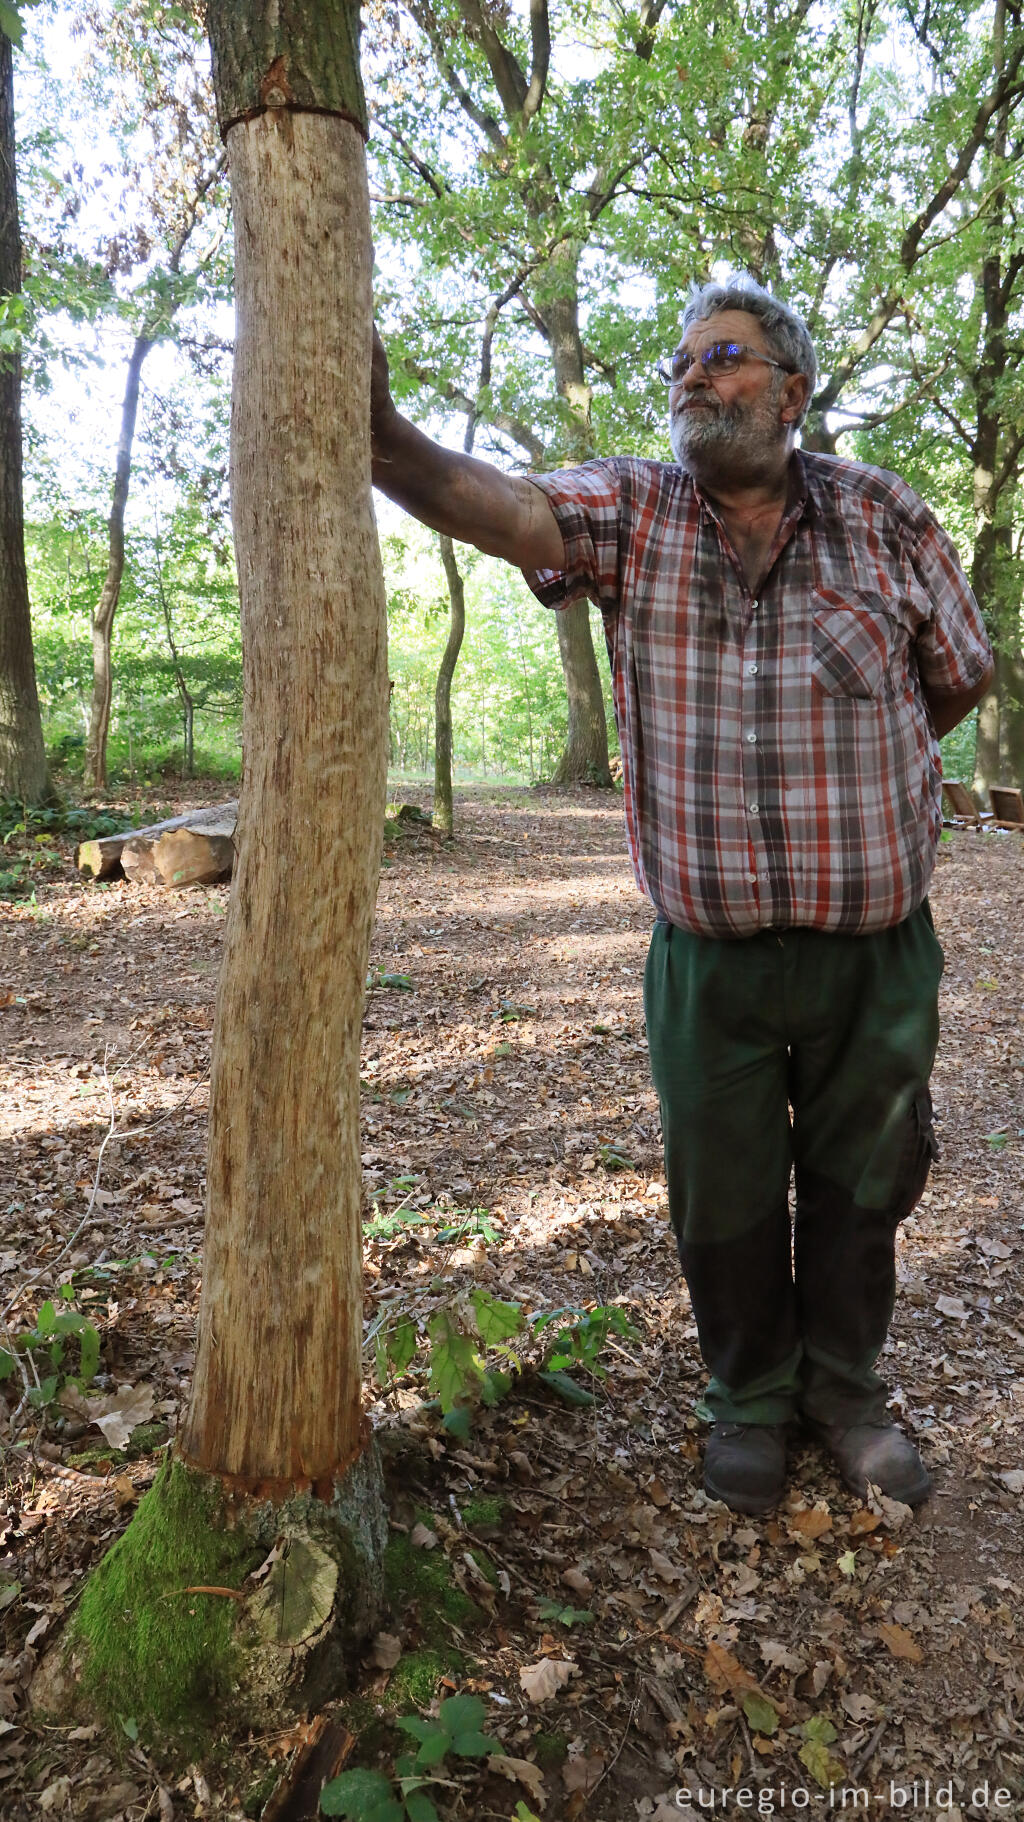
{"x": 361, "y": 1796}
{"x": 416, "y": 1725}
{"x": 419, "y": 1808}
{"x": 760, "y": 1713}
{"x": 435, "y": 1747}
{"x": 46, "y": 1319}
{"x": 821, "y": 1764}
{"x": 130, "y": 1726}
{"x": 567, "y": 1388}
{"x": 44, "y": 1393}
{"x": 455, "y": 1365}
{"x": 458, "y": 1422}
{"x": 6, "y": 1364}
{"x": 820, "y": 1728}
{"x": 495, "y": 1320}
{"x": 461, "y": 1713}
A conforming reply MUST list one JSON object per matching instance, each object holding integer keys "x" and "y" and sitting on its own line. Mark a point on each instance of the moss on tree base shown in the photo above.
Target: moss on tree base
{"x": 168, "y": 1634}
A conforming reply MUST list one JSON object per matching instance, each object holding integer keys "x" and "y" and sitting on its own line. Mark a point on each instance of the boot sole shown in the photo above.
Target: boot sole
{"x": 750, "y": 1504}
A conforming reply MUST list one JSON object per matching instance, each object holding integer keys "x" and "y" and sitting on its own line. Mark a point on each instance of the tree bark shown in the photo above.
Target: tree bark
{"x": 443, "y": 807}
{"x": 23, "y": 772}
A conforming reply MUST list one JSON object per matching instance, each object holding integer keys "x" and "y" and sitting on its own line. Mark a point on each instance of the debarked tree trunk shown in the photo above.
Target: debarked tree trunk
{"x": 252, "y": 1569}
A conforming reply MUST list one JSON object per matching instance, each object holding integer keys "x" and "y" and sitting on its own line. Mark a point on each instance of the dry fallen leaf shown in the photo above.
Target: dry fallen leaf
{"x": 423, "y": 1538}
{"x": 116, "y": 1415}
{"x": 952, "y": 1306}
{"x": 813, "y": 1521}
{"x": 582, "y": 1771}
{"x": 900, "y": 1642}
{"x": 55, "y": 1795}
{"x": 724, "y": 1672}
{"x": 1012, "y": 1479}
{"x": 543, "y": 1680}
{"x": 578, "y": 1581}
{"x": 664, "y": 1568}
{"x": 519, "y": 1771}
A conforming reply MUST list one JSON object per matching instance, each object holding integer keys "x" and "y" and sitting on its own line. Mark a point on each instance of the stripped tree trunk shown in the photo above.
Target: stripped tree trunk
{"x": 22, "y": 755}
{"x": 276, "y": 1396}
{"x": 274, "y": 1451}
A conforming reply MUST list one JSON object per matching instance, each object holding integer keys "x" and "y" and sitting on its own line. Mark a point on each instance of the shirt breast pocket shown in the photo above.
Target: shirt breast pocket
{"x": 853, "y": 643}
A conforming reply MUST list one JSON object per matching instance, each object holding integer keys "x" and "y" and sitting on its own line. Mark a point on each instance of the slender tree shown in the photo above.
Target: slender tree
{"x": 22, "y": 755}
{"x": 274, "y": 1445}
{"x": 158, "y": 318}
{"x": 444, "y": 813}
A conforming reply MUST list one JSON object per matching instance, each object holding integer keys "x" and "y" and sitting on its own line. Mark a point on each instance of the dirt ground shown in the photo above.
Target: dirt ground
{"x": 826, "y": 1650}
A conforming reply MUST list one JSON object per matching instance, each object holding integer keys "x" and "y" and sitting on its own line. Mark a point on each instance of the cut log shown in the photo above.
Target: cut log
{"x": 101, "y": 859}
{"x": 182, "y": 857}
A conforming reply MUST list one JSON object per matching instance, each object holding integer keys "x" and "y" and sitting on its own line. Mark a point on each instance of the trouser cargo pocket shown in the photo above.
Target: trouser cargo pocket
{"x": 920, "y": 1150}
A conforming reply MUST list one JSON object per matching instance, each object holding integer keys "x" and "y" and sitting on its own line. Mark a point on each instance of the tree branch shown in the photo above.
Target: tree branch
{"x": 509, "y": 79}
{"x": 481, "y": 119}
{"x": 509, "y": 426}
{"x": 540, "y": 45}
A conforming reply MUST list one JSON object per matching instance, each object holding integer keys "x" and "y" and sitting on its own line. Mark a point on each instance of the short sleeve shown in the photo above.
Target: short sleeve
{"x": 952, "y": 647}
{"x": 586, "y": 502}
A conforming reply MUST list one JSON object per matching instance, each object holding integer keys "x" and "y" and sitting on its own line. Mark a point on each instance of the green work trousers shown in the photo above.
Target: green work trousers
{"x": 793, "y": 1051}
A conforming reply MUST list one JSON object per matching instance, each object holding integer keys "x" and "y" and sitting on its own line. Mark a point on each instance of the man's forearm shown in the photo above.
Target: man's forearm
{"x": 947, "y": 710}
{"x": 467, "y": 499}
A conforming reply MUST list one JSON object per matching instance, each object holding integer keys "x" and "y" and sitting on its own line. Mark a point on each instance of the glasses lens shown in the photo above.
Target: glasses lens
{"x": 721, "y": 357}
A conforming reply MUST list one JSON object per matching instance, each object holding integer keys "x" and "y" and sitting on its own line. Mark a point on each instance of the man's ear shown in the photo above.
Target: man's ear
{"x": 795, "y": 394}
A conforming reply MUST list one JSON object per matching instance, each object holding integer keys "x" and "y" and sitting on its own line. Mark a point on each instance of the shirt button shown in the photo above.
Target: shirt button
{"x": 753, "y": 808}
{"x": 751, "y": 670}
{"x": 751, "y": 738}
{"x": 753, "y": 879}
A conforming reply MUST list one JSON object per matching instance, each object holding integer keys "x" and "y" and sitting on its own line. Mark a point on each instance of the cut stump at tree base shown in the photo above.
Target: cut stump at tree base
{"x": 215, "y": 1610}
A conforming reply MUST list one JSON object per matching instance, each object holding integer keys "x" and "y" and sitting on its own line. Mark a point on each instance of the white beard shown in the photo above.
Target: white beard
{"x": 714, "y": 430}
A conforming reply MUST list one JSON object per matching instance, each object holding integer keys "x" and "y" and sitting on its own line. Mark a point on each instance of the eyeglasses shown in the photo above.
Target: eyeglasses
{"x": 718, "y": 359}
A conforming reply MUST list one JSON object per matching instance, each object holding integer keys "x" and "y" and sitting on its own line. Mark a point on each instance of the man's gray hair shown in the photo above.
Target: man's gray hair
{"x": 785, "y": 332}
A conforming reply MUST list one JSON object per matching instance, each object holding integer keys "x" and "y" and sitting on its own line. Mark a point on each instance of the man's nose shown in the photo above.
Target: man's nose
{"x": 695, "y": 376}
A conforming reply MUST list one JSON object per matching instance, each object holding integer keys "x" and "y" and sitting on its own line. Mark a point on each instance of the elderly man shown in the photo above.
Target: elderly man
{"x": 789, "y": 634}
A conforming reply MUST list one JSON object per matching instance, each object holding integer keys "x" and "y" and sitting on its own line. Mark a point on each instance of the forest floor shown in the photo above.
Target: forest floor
{"x": 638, "y": 1649}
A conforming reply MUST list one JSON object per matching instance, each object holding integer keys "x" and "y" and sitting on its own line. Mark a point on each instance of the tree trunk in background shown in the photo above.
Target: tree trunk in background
{"x": 106, "y": 607}
{"x": 22, "y": 755}
{"x": 999, "y": 755}
{"x": 443, "y": 808}
{"x": 585, "y": 758}
{"x": 274, "y": 1446}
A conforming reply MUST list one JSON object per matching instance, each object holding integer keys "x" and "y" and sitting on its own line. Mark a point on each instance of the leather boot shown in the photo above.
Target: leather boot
{"x": 745, "y": 1465}
{"x": 876, "y": 1452}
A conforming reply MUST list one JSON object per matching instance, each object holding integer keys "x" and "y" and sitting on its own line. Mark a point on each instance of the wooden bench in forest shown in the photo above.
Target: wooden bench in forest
{"x": 1007, "y": 806}
{"x": 960, "y": 807}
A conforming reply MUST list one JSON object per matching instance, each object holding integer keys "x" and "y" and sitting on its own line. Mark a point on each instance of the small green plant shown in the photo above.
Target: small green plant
{"x": 580, "y": 1342}
{"x": 564, "y": 1616}
{"x": 378, "y": 977}
{"x": 371, "y": 1796}
{"x": 469, "y": 1358}
{"x": 45, "y": 1347}
{"x": 613, "y": 1157}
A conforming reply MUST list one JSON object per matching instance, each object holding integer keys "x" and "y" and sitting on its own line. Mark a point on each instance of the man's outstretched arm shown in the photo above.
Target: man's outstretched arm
{"x": 453, "y": 493}
{"x": 948, "y": 707}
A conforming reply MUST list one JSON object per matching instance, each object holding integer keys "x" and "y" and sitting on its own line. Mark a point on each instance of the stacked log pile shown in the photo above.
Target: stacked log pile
{"x": 192, "y": 850}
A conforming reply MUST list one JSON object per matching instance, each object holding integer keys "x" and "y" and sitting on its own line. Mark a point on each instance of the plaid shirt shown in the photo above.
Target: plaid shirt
{"x": 779, "y": 761}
